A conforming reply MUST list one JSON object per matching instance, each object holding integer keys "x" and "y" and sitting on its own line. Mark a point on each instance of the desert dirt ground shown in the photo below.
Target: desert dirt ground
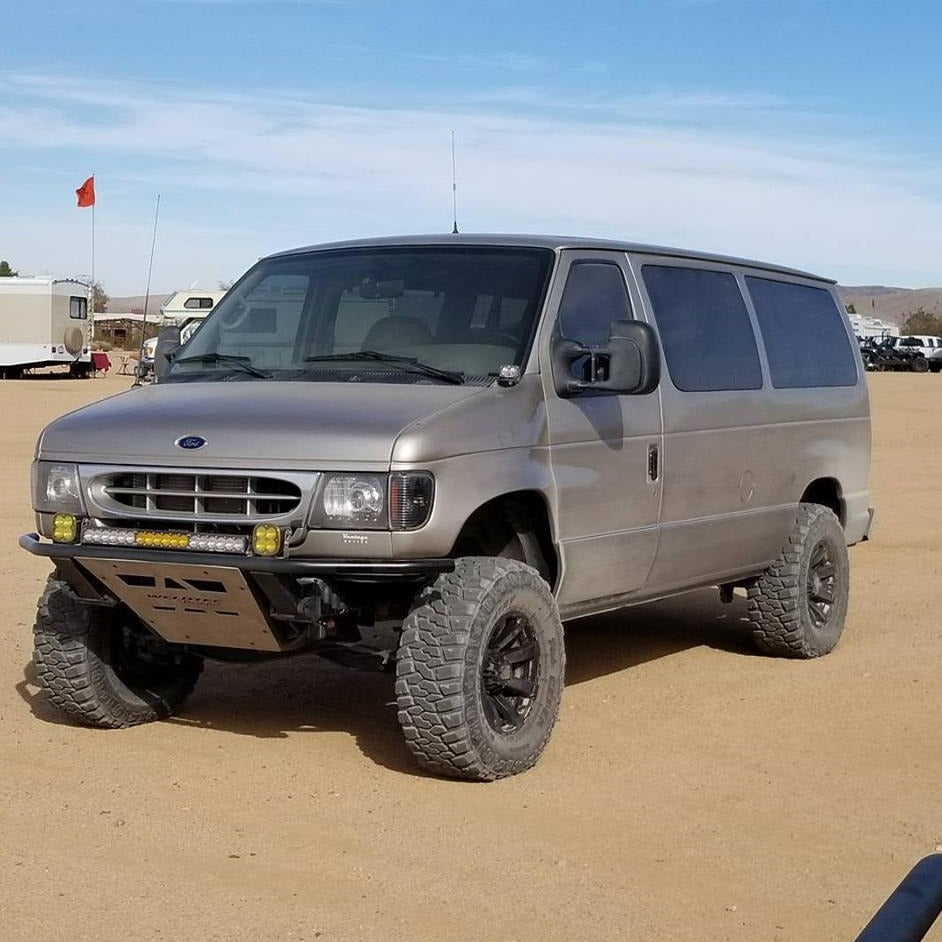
{"x": 692, "y": 789}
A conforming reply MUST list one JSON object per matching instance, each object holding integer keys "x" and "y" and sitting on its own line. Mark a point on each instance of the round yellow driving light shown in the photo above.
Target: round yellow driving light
{"x": 266, "y": 540}
{"x": 64, "y": 528}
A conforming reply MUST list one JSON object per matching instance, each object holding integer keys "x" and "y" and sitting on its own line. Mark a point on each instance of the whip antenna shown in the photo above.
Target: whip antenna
{"x": 150, "y": 268}
{"x": 454, "y": 187}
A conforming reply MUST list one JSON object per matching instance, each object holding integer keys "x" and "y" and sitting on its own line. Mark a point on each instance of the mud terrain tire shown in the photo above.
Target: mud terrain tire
{"x": 798, "y": 605}
{"x": 102, "y": 669}
{"x": 479, "y": 673}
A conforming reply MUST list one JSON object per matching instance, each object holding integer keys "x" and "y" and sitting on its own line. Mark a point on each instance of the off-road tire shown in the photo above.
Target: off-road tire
{"x": 920, "y": 365}
{"x": 935, "y": 367}
{"x": 798, "y": 605}
{"x": 90, "y": 665}
{"x": 450, "y": 674}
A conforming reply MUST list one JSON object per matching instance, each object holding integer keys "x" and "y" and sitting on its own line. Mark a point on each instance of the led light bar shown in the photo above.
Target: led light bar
{"x": 157, "y": 539}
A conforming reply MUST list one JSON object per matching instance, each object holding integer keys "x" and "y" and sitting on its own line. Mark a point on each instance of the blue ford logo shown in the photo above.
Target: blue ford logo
{"x": 190, "y": 442}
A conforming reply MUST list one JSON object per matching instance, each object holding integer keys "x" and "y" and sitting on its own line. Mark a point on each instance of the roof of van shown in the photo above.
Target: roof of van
{"x": 556, "y": 243}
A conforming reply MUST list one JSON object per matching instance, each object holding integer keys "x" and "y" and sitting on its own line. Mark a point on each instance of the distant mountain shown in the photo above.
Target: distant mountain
{"x": 155, "y": 301}
{"x": 891, "y": 304}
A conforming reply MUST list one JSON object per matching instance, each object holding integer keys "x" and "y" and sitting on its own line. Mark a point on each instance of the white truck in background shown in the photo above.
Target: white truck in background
{"x": 44, "y": 322}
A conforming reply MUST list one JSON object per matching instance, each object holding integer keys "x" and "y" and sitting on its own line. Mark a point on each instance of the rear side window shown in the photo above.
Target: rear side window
{"x": 804, "y": 335}
{"x": 705, "y": 329}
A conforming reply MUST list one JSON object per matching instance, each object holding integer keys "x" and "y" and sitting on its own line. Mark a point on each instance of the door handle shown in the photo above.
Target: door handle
{"x": 654, "y": 466}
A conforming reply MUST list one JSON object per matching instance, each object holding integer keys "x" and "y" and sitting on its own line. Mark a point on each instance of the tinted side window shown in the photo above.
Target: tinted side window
{"x": 804, "y": 335}
{"x": 704, "y": 327}
{"x": 594, "y": 296}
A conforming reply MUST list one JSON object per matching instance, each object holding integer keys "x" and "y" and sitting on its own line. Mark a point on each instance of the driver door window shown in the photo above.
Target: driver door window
{"x": 594, "y": 296}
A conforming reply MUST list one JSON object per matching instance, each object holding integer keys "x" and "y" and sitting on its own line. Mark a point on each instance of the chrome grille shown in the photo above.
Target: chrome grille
{"x": 196, "y": 496}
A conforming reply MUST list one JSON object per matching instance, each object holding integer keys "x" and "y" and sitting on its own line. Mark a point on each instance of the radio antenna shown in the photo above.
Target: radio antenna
{"x": 454, "y": 187}
{"x": 140, "y": 356}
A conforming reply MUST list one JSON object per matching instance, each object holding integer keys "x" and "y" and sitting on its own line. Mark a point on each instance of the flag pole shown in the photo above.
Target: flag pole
{"x": 92, "y": 302}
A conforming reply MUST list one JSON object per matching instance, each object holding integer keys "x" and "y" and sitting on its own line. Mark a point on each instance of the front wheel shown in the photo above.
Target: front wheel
{"x": 920, "y": 365}
{"x": 479, "y": 672}
{"x": 101, "y": 668}
{"x": 798, "y": 605}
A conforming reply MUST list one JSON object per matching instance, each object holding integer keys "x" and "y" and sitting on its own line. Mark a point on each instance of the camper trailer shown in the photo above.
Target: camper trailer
{"x": 44, "y": 322}
{"x": 188, "y": 309}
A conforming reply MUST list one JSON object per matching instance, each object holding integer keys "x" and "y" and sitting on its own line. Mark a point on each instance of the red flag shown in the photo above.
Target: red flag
{"x": 86, "y": 193}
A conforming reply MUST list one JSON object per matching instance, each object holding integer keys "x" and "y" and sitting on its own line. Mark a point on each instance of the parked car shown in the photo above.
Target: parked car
{"x": 466, "y": 439}
{"x": 927, "y": 343}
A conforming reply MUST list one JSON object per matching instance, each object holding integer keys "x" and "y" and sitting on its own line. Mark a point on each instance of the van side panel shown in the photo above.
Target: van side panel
{"x": 736, "y": 462}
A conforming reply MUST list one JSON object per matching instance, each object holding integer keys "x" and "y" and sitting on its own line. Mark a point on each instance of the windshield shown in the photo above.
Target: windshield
{"x": 420, "y": 314}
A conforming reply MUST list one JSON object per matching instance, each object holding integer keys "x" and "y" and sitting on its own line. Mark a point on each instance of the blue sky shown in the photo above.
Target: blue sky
{"x": 804, "y": 132}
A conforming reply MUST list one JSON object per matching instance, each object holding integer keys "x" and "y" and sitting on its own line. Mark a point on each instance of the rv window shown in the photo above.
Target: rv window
{"x": 200, "y": 303}
{"x": 78, "y": 308}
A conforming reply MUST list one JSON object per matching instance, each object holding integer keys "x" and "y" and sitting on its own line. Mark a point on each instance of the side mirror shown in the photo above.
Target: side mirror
{"x": 629, "y": 363}
{"x": 168, "y": 340}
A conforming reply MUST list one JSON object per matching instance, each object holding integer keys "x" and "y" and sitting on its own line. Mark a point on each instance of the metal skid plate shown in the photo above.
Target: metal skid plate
{"x": 211, "y": 605}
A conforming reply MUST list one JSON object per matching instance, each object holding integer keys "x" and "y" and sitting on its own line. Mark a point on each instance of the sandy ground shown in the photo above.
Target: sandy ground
{"x": 692, "y": 789}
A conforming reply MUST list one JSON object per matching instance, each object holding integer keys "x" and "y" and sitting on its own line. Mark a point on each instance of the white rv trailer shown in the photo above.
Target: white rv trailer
{"x": 187, "y": 309}
{"x": 44, "y": 322}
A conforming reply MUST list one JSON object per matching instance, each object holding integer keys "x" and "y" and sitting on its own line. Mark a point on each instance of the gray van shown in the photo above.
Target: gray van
{"x": 423, "y": 454}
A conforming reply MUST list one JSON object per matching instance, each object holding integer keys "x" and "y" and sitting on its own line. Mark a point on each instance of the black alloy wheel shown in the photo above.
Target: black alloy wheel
{"x": 510, "y": 673}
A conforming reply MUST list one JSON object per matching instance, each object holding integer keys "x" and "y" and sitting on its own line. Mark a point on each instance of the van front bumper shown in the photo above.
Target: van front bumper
{"x": 239, "y": 602}
{"x": 379, "y": 569}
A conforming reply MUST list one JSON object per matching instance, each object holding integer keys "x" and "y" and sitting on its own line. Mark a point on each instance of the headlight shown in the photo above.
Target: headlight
{"x": 398, "y": 501}
{"x": 351, "y": 501}
{"x": 56, "y": 488}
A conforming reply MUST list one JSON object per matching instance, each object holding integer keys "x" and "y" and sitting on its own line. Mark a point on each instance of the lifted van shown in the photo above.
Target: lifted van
{"x": 460, "y": 441}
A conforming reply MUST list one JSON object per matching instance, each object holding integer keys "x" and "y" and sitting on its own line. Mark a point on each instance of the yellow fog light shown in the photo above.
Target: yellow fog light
{"x": 266, "y": 540}
{"x": 64, "y": 528}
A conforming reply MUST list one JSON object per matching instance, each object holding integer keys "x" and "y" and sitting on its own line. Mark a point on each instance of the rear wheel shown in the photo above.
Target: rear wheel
{"x": 920, "y": 365}
{"x": 479, "y": 673}
{"x": 102, "y": 668}
{"x": 798, "y": 605}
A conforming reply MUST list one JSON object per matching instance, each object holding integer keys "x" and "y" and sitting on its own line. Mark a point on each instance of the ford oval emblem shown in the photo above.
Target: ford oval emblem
{"x": 190, "y": 442}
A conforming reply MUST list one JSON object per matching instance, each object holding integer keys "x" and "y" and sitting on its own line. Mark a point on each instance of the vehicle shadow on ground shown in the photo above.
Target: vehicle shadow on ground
{"x": 607, "y": 644}
{"x": 39, "y": 706}
{"x": 280, "y": 698}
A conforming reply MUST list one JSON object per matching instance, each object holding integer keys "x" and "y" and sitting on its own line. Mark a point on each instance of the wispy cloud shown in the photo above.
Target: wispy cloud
{"x": 306, "y": 170}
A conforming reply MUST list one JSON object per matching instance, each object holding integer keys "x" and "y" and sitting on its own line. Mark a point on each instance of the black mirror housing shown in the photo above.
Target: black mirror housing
{"x": 629, "y": 364}
{"x": 168, "y": 340}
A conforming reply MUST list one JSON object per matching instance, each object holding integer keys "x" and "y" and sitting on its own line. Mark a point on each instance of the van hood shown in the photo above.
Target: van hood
{"x": 285, "y": 425}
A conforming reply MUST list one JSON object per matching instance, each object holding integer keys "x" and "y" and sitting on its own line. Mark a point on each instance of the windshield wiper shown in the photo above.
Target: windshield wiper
{"x": 413, "y": 364}
{"x": 243, "y": 363}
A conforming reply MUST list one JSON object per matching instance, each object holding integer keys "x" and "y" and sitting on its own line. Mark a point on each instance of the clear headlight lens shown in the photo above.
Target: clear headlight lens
{"x": 352, "y": 500}
{"x": 398, "y": 501}
{"x": 56, "y": 488}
